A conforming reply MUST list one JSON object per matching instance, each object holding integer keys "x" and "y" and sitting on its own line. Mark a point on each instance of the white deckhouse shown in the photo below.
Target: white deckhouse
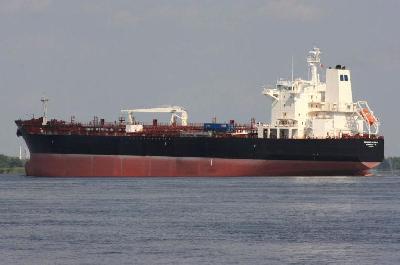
{"x": 313, "y": 109}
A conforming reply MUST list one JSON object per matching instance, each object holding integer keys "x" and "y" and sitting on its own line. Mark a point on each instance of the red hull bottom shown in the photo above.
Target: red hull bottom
{"x": 62, "y": 165}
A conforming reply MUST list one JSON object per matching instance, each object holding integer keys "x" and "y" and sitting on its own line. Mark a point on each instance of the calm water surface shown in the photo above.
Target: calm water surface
{"x": 312, "y": 220}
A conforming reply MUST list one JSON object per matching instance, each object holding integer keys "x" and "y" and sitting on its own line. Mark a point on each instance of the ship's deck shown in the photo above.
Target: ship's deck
{"x": 101, "y": 128}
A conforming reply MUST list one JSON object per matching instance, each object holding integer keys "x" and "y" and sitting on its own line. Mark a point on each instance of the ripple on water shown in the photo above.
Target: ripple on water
{"x": 316, "y": 220}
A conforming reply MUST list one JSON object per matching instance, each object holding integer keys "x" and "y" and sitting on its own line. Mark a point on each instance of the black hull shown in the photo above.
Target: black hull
{"x": 350, "y": 150}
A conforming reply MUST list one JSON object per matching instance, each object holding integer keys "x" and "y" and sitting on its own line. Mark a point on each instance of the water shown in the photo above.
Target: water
{"x": 316, "y": 220}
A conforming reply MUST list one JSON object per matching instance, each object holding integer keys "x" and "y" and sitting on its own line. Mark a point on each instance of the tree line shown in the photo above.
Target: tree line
{"x": 10, "y": 162}
{"x": 390, "y": 163}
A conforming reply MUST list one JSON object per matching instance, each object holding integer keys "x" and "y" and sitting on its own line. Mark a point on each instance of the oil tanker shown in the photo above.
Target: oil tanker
{"x": 316, "y": 130}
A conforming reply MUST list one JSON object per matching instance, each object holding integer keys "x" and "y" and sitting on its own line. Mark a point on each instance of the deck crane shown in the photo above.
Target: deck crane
{"x": 168, "y": 109}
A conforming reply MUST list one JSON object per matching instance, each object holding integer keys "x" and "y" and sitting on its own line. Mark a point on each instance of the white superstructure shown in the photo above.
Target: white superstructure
{"x": 313, "y": 109}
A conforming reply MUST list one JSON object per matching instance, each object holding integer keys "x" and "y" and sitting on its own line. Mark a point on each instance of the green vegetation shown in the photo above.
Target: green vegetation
{"x": 390, "y": 163}
{"x": 11, "y": 165}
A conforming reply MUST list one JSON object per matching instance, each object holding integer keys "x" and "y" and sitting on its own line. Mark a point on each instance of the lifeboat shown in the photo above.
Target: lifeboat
{"x": 368, "y": 116}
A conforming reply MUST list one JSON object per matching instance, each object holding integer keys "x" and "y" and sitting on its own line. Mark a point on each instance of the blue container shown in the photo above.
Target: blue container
{"x": 219, "y": 127}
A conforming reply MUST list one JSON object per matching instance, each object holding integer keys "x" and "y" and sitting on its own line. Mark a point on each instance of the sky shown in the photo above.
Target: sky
{"x": 94, "y": 58}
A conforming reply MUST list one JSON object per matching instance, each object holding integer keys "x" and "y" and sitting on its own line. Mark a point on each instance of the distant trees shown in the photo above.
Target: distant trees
{"x": 10, "y": 162}
{"x": 390, "y": 163}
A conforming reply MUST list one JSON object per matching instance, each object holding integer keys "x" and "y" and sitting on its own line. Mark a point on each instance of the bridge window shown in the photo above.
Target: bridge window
{"x": 341, "y": 78}
{"x": 346, "y": 78}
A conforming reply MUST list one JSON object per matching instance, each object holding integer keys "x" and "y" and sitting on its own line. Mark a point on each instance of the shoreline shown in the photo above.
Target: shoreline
{"x": 12, "y": 170}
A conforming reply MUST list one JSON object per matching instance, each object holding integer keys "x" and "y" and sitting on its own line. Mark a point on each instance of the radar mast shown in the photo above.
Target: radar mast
{"x": 314, "y": 61}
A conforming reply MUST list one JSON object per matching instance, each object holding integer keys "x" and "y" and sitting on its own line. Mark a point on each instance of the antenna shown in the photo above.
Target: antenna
{"x": 292, "y": 72}
{"x": 44, "y": 101}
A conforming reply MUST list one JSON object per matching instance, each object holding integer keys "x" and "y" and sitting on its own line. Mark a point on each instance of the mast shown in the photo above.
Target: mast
{"x": 292, "y": 73}
{"x": 44, "y": 101}
{"x": 314, "y": 61}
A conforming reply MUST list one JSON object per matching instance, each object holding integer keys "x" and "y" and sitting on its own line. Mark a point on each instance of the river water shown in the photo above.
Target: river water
{"x": 293, "y": 220}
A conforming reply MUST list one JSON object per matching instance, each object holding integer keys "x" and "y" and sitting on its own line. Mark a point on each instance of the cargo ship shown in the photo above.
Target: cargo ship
{"x": 316, "y": 130}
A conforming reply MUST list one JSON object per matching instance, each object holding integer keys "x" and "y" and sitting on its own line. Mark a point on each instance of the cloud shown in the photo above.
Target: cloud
{"x": 19, "y": 44}
{"x": 10, "y": 7}
{"x": 124, "y": 17}
{"x": 217, "y": 13}
{"x": 161, "y": 12}
{"x": 290, "y": 10}
{"x": 192, "y": 14}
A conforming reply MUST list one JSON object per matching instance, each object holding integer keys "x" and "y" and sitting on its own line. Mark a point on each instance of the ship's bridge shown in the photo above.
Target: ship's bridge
{"x": 314, "y": 109}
